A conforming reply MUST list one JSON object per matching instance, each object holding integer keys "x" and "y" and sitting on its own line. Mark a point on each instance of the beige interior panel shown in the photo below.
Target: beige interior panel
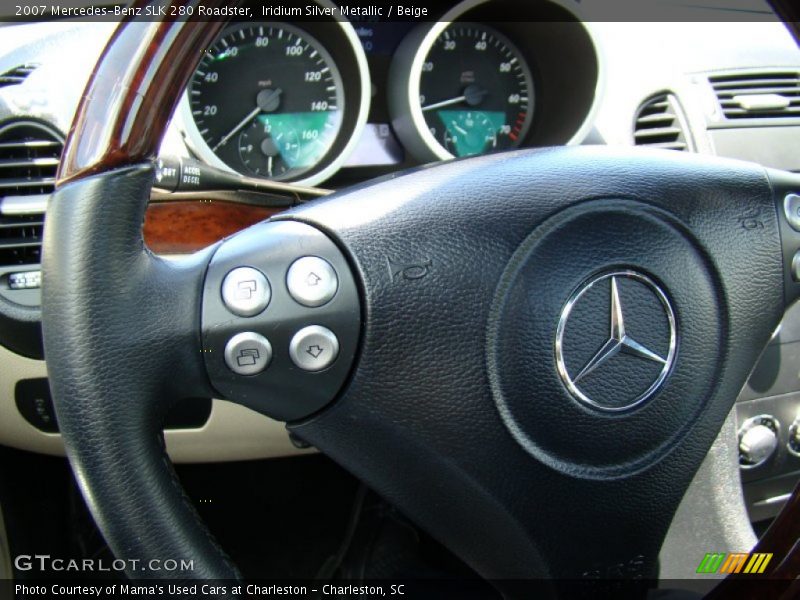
{"x": 232, "y": 433}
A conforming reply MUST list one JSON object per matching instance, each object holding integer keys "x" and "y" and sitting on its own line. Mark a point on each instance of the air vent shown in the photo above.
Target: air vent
{"x": 758, "y": 95}
{"x": 21, "y": 240}
{"x": 29, "y": 155}
{"x": 660, "y": 124}
{"x": 17, "y": 75}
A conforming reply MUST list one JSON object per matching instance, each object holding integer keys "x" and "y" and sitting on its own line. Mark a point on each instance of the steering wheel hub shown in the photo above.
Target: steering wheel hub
{"x": 602, "y": 324}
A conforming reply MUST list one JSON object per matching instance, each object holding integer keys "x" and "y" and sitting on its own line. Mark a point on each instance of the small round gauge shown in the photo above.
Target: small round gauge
{"x": 468, "y": 132}
{"x": 267, "y": 100}
{"x": 476, "y": 91}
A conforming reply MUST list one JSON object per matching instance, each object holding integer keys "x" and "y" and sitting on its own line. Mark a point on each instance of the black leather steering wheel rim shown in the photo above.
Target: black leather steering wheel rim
{"x": 143, "y": 284}
{"x": 124, "y": 333}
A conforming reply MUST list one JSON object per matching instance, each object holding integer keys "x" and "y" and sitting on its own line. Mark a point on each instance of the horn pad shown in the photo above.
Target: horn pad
{"x": 598, "y": 335}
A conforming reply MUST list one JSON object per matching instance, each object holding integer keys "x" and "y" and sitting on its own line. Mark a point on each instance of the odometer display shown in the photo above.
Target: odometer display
{"x": 267, "y": 100}
{"x": 476, "y": 91}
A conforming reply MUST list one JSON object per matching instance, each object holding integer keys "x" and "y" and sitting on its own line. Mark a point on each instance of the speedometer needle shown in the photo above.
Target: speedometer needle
{"x": 242, "y": 123}
{"x": 267, "y": 100}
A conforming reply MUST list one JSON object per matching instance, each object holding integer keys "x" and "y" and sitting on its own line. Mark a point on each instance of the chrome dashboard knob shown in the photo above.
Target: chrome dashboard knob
{"x": 758, "y": 440}
{"x": 794, "y": 437}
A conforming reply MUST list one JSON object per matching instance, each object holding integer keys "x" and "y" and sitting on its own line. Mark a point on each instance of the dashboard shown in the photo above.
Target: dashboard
{"x": 381, "y": 96}
{"x": 335, "y": 103}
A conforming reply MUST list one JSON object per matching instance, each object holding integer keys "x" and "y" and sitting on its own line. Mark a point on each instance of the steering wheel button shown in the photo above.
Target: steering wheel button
{"x": 246, "y": 292}
{"x": 791, "y": 208}
{"x": 248, "y": 353}
{"x": 312, "y": 281}
{"x": 314, "y": 348}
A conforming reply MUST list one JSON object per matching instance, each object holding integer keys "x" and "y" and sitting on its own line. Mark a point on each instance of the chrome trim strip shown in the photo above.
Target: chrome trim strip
{"x": 774, "y": 500}
{"x": 24, "y": 205}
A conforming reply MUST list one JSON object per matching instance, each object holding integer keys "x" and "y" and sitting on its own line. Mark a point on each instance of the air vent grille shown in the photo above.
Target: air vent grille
{"x": 758, "y": 95}
{"x": 17, "y": 75}
{"x": 21, "y": 240}
{"x": 29, "y": 155}
{"x": 660, "y": 124}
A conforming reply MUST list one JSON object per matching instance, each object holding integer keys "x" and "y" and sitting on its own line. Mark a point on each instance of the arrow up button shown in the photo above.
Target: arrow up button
{"x": 312, "y": 281}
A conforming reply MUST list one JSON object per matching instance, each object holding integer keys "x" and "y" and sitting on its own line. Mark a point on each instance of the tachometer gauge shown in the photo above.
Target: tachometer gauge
{"x": 470, "y": 92}
{"x": 267, "y": 100}
{"x": 476, "y": 91}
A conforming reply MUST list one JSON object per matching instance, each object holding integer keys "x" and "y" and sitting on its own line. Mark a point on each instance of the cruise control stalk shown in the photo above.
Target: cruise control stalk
{"x": 179, "y": 178}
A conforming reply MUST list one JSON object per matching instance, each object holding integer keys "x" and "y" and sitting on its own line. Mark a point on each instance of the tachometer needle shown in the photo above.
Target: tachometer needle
{"x": 473, "y": 96}
{"x": 252, "y": 115}
{"x": 444, "y": 103}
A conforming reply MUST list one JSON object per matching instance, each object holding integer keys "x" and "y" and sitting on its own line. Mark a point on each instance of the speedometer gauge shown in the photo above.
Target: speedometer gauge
{"x": 267, "y": 100}
{"x": 476, "y": 91}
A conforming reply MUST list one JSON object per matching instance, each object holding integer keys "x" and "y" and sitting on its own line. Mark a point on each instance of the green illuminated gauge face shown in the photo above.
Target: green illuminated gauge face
{"x": 476, "y": 91}
{"x": 267, "y": 100}
{"x": 471, "y": 132}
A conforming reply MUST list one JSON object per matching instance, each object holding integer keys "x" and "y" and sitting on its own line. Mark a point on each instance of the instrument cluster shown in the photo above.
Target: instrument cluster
{"x": 308, "y": 102}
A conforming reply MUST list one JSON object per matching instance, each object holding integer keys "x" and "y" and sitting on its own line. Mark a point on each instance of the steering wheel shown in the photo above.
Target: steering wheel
{"x": 529, "y": 353}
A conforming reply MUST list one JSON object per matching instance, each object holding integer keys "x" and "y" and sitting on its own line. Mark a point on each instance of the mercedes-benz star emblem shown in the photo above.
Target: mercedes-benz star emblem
{"x": 616, "y": 341}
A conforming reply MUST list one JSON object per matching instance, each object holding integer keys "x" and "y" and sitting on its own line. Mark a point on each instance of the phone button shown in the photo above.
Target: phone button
{"x": 246, "y": 291}
{"x": 248, "y": 353}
